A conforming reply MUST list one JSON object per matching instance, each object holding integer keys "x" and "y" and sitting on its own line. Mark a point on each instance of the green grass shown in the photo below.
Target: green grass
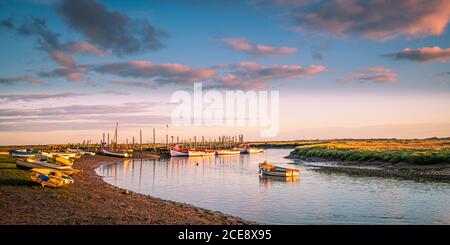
{"x": 369, "y": 152}
{"x": 10, "y": 175}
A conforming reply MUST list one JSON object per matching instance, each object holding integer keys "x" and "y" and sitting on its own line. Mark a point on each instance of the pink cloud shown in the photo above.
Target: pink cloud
{"x": 62, "y": 59}
{"x": 243, "y": 45}
{"x": 84, "y": 47}
{"x": 425, "y": 54}
{"x": 376, "y": 74}
{"x": 374, "y": 19}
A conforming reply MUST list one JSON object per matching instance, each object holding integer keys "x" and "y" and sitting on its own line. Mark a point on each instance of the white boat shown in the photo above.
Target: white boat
{"x": 24, "y": 153}
{"x": 252, "y": 151}
{"x": 115, "y": 154}
{"x": 201, "y": 153}
{"x": 178, "y": 152}
{"x": 227, "y": 152}
{"x": 30, "y": 163}
{"x": 82, "y": 152}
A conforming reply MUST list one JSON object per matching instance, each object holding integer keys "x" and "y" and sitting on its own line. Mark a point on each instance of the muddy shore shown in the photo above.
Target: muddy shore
{"x": 435, "y": 172}
{"x": 90, "y": 200}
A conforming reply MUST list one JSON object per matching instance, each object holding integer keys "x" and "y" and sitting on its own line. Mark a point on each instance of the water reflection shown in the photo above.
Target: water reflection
{"x": 231, "y": 184}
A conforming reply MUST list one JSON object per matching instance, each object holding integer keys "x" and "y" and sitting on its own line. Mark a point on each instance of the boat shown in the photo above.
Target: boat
{"x": 64, "y": 161}
{"x": 81, "y": 151}
{"x": 201, "y": 153}
{"x": 50, "y": 177}
{"x": 227, "y": 152}
{"x": 115, "y": 153}
{"x": 252, "y": 150}
{"x": 4, "y": 153}
{"x": 273, "y": 170}
{"x": 24, "y": 153}
{"x": 31, "y": 163}
{"x": 176, "y": 151}
{"x": 67, "y": 154}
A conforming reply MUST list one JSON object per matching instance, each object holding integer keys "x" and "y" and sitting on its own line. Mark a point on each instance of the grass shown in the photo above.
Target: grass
{"x": 419, "y": 152}
{"x": 11, "y": 175}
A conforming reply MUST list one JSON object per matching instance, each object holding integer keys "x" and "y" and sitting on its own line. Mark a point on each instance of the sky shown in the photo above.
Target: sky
{"x": 69, "y": 70}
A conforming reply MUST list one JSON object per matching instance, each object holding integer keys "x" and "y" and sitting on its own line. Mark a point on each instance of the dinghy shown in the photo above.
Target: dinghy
{"x": 24, "y": 153}
{"x": 49, "y": 177}
{"x": 201, "y": 153}
{"x": 273, "y": 170}
{"x": 115, "y": 154}
{"x": 64, "y": 161}
{"x": 30, "y": 163}
{"x": 252, "y": 151}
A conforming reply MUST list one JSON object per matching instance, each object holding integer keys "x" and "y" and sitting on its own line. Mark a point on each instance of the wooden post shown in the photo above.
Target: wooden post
{"x": 108, "y": 139}
{"x": 140, "y": 139}
{"x": 154, "y": 139}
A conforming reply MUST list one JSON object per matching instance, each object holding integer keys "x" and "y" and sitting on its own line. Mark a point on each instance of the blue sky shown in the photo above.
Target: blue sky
{"x": 194, "y": 35}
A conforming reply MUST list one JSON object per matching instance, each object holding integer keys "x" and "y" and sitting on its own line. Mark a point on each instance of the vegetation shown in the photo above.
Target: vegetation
{"x": 420, "y": 152}
{"x": 11, "y": 175}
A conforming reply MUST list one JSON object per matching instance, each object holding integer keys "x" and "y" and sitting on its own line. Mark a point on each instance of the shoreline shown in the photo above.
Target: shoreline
{"x": 90, "y": 200}
{"x": 439, "y": 173}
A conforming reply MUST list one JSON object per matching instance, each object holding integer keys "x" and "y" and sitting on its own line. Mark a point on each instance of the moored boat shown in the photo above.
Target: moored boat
{"x": 115, "y": 153}
{"x": 252, "y": 150}
{"x": 227, "y": 152}
{"x": 176, "y": 151}
{"x": 200, "y": 153}
{"x": 49, "y": 177}
{"x": 273, "y": 170}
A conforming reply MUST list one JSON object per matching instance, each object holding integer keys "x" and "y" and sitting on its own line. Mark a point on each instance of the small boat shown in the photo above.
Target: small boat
{"x": 176, "y": 151}
{"x": 31, "y": 163}
{"x": 273, "y": 170}
{"x": 252, "y": 150}
{"x": 24, "y": 153}
{"x": 115, "y": 153}
{"x": 4, "y": 153}
{"x": 201, "y": 153}
{"x": 64, "y": 161}
{"x": 50, "y": 177}
{"x": 81, "y": 152}
{"x": 227, "y": 152}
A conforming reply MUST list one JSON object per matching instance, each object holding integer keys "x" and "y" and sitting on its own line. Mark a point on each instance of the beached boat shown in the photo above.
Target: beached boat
{"x": 176, "y": 151}
{"x": 252, "y": 150}
{"x": 81, "y": 151}
{"x": 4, "y": 153}
{"x": 273, "y": 170}
{"x": 30, "y": 163}
{"x": 115, "y": 153}
{"x": 227, "y": 152}
{"x": 64, "y": 161}
{"x": 49, "y": 177}
{"x": 24, "y": 153}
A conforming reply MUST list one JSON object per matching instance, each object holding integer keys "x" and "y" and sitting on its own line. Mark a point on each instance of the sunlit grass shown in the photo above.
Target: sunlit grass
{"x": 422, "y": 152}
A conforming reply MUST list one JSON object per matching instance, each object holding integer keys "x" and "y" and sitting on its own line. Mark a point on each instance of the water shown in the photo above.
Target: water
{"x": 231, "y": 184}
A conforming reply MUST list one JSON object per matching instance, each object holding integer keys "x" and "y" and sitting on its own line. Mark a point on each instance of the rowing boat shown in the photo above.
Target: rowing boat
{"x": 24, "y": 153}
{"x": 49, "y": 177}
{"x": 273, "y": 170}
{"x": 64, "y": 161}
{"x": 115, "y": 153}
{"x": 252, "y": 150}
{"x": 200, "y": 153}
{"x": 30, "y": 163}
{"x": 177, "y": 152}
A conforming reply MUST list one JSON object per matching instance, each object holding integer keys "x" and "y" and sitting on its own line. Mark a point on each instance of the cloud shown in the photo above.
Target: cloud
{"x": 426, "y": 54}
{"x": 111, "y": 30}
{"x": 14, "y": 80}
{"x": 317, "y": 56}
{"x": 372, "y": 19}
{"x": 132, "y": 83}
{"x": 376, "y": 74}
{"x": 250, "y": 75}
{"x": 70, "y": 73}
{"x": 46, "y": 96}
{"x": 157, "y": 73}
{"x": 84, "y": 47}
{"x": 443, "y": 74}
{"x": 63, "y": 59}
{"x": 7, "y": 23}
{"x": 243, "y": 45}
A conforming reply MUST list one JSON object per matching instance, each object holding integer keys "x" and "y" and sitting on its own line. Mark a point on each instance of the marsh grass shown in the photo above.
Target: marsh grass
{"x": 11, "y": 175}
{"x": 419, "y": 152}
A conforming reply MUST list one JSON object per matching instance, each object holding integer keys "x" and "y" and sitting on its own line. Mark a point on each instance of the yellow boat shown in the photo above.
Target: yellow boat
{"x": 6, "y": 153}
{"x": 64, "y": 161}
{"x": 273, "y": 170}
{"x": 30, "y": 163}
{"x": 49, "y": 177}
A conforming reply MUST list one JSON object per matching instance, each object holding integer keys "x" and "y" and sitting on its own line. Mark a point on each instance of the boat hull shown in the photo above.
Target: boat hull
{"x": 272, "y": 170}
{"x": 36, "y": 164}
{"x": 24, "y": 154}
{"x": 175, "y": 153}
{"x": 116, "y": 154}
{"x": 52, "y": 178}
{"x": 227, "y": 152}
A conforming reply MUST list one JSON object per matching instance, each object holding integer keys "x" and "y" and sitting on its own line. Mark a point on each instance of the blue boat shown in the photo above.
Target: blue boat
{"x": 22, "y": 153}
